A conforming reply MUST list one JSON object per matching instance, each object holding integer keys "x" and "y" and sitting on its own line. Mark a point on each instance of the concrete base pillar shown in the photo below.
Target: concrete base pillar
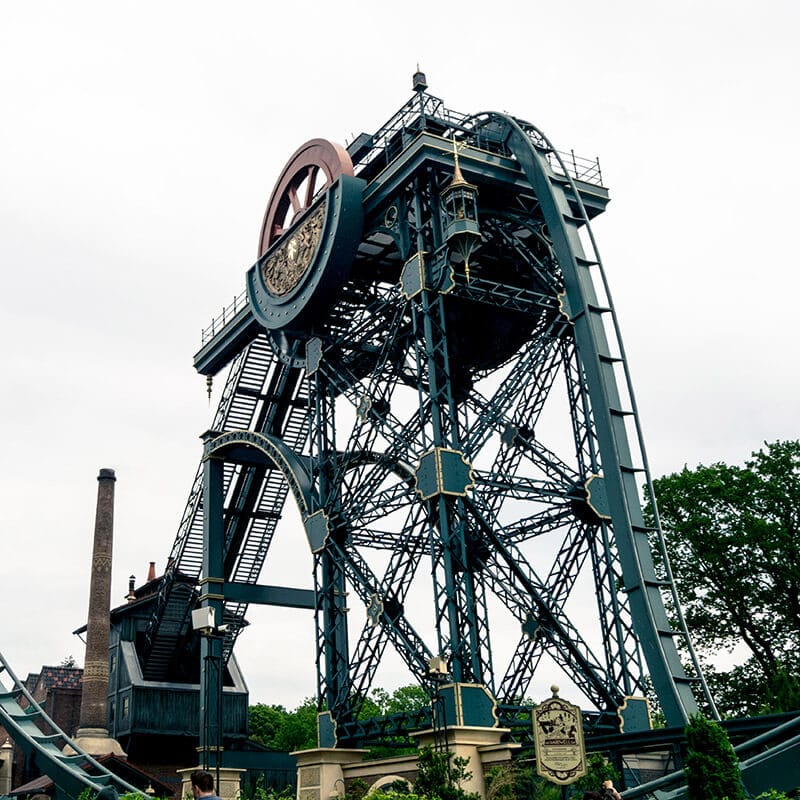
{"x": 229, "y": 782}
{"x": 319, "y": 771}
{"x": 482, "y": 746}
{"x": 96, "y": 742}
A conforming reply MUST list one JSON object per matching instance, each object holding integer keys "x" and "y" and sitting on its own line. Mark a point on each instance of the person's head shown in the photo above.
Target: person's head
{"x": 202, "y": 782}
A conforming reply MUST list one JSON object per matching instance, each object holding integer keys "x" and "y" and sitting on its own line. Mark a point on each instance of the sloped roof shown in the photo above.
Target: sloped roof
{"x": 31, "y": 681}
{"x": 60, "y": 678}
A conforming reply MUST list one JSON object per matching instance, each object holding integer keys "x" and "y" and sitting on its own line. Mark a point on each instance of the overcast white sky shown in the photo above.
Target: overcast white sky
{"x": 139, "y": 143}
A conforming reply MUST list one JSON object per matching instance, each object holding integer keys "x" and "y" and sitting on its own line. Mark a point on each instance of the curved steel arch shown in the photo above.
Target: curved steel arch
{"x": 236, "y": 445}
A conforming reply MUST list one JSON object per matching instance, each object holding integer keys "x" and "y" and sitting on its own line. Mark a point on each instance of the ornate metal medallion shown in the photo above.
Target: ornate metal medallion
{"x": 283, "y": 270}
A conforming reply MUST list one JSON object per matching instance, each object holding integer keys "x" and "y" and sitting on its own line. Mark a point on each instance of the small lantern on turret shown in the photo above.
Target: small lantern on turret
{"x": 459, "y": 203}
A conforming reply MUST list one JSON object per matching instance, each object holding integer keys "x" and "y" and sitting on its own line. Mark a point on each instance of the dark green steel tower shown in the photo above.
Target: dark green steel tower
{"x": 427, "y": 359}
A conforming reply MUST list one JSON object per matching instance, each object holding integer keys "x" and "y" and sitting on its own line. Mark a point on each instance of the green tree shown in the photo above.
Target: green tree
{"x": 300, "y": 729}
{"x": 712, "y": 769}
{"x": 598, "y": 769}
{"x": 280, "y": 729}
{"x": 405, "y": 698}
{"x": 731, "y": 535}
{"x": 516, "y": 781}
{"x": 440, "y": 775}
{"x": 381, "y": 702}
{"x": 275, "y": 727}
{"x": 265, "y": 721}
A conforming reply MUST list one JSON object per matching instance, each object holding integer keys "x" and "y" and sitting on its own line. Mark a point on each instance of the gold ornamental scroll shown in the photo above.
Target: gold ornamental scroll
{"x": 558, "y": 738}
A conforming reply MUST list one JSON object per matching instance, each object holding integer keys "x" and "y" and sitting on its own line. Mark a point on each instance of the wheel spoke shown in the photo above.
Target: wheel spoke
{"x": 294, "y": 199}
{"x": 311, "y": 179}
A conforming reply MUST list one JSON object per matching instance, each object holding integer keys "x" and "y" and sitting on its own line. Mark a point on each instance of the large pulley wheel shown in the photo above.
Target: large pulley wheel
{"x": 312, "y": 168}
{"x": 309, "y": 238}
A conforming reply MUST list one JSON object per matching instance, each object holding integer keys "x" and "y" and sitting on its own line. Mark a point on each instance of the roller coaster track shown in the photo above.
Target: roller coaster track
{"x": 770, "y": 760}
{"x": 69, "y": 773}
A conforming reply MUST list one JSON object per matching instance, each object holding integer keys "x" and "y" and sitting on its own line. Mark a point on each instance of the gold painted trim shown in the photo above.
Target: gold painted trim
{"x": 319, "y": 512}
{"x": 624, "y": 705}
{"x": 420, "y": 258}
{"x": 600, "y": 515}
{"x": 452, "y": 279}
{"x": 333, "y": 724}
{"x": 563, "y": 307}
{"x": 437, "y": 455}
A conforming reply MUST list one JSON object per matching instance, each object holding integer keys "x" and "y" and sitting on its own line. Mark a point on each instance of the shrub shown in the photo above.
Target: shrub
{"x": 712, "y": 769}
{"x": 440, "y": 775}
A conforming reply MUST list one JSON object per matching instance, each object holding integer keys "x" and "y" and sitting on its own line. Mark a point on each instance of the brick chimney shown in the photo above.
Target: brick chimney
{"x": 92, "y": 735}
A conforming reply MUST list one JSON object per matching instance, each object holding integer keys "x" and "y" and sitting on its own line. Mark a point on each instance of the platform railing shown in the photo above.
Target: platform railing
{"x": 393, "y": 136}
{"x": 229, "y": 312}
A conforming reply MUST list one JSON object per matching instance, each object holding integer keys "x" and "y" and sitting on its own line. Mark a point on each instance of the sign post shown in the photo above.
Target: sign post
{"x": 558, "y": 738}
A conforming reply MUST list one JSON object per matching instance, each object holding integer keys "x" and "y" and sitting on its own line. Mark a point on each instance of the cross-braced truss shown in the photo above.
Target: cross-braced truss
{"x": 470, "y": 446}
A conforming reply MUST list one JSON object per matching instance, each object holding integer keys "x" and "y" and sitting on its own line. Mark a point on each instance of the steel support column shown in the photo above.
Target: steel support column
{"x": 211, "y": 598}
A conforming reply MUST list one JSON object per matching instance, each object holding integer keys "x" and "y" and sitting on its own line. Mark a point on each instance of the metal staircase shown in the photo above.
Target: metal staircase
{"x": 264, "y": 394}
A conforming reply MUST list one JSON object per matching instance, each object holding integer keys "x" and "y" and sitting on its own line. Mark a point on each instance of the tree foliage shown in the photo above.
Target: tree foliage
{"x": 257, "y": 791}
{"x": 405, "y": 698}
{"x": 440, "y": 775}
{"x": 731, "y": 534}
{"x": 517, "y": 781}
{"x": 275, "y": 727}
{"x": 598, "y": 769}
{"x": 712, "y": 769}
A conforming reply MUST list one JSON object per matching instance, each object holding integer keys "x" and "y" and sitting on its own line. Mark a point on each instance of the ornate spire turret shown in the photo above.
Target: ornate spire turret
{"x": 460, "y": 213}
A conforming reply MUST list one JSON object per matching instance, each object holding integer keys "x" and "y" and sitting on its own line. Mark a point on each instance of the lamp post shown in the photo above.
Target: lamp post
{"x": 438, "y": 673}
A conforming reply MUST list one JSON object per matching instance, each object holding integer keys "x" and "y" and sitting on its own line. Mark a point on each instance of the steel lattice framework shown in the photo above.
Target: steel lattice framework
{"x": 456, "y": 423}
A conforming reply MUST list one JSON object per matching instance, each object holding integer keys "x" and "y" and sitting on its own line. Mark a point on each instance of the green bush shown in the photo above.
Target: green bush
{"x": 257, "y": 791}
{"x": 440, "y": 775}
{"x": 383, "y": 794}
{"x": 712, "y": 769}
{"x": 516, "y": 781}
{"x": 598, "y": 769}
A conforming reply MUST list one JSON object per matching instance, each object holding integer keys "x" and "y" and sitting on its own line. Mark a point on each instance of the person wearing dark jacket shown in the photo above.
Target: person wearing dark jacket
{"x": 203, "y": 785}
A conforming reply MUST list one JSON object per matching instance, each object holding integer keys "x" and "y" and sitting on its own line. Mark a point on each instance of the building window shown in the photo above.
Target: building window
{"x": 126, "y": 701}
